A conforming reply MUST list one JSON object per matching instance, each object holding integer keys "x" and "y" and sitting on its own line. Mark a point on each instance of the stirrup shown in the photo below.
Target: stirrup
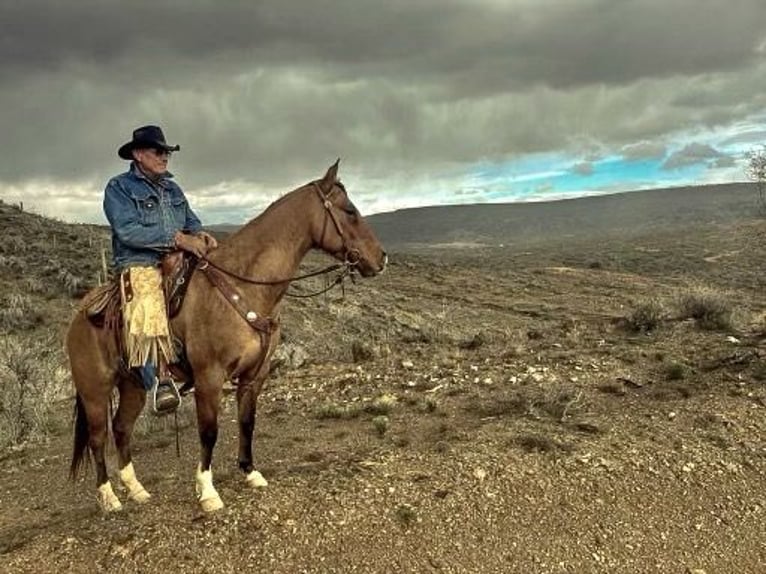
{"x": 175, "y": 397}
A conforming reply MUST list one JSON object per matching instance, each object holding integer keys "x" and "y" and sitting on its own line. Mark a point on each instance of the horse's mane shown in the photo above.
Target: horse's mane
{"x": 278, "y": 202}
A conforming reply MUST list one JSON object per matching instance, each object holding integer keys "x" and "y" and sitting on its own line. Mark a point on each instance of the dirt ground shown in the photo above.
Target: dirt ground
{"x": 474, "y": 409}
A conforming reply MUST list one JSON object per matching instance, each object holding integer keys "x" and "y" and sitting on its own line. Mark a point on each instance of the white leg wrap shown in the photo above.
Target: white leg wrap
{"x": 136, "y": 490}
{"x": 107, "y": 499}
{"x": 206, "y": 493}
{"x": 255, "y": 480}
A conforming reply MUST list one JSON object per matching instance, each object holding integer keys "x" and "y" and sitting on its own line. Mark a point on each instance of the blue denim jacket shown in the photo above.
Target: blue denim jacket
{"x": 145, "y": 216}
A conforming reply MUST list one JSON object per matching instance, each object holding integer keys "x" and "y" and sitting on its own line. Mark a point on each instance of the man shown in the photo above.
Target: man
{"x": 150, "y": 216}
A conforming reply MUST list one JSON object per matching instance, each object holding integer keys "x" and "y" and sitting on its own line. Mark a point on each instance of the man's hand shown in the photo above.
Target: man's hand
{"x": 210, "y": 241}
{"x": 191, "y": 243}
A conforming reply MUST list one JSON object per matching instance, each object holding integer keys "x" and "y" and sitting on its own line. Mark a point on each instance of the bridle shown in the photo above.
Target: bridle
{"x": 351, "y": 256}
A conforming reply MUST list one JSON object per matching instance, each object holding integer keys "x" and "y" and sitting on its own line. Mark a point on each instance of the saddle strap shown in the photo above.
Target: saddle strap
{"x": 264, "y": 326}
{"x": 236, "y": 300}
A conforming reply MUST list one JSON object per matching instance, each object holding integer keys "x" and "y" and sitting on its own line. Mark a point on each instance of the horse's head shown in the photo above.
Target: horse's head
{"x": 342, "y": 231}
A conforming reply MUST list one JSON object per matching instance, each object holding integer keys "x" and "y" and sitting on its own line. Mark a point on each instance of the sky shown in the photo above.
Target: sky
{"x": 426, "y": 102}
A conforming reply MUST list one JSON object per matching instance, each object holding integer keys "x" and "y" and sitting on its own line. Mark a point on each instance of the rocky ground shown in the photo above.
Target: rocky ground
{"x": 549, "y": 407}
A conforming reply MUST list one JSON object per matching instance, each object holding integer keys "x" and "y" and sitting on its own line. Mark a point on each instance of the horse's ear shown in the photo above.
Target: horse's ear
{"x": 329, "y": 179}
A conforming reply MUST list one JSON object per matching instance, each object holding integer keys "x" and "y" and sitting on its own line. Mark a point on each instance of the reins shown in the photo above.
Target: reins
{"x": 254, "y": 281}
{"x": 347, "y": 267}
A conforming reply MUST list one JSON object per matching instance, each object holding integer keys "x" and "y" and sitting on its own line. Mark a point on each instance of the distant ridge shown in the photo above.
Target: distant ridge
{"x": 624, "y": 213}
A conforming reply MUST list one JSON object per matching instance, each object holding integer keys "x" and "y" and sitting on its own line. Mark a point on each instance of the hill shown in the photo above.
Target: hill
{"x": 591, "y": 400}
{"x": 520, "y": 223}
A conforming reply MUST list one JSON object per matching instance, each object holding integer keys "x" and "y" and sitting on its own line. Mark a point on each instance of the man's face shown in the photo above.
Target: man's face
{"x": 153, "y": 162}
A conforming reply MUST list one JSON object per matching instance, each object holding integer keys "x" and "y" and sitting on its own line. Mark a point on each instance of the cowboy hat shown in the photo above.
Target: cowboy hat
{"x": 144, "y": 138}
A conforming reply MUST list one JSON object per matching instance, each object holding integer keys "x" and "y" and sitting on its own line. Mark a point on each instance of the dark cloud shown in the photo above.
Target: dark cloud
{"x": 691, "y": 154}
{"x": 273, "y": 91}
{"x": 509, "y": 44}
{"x": 643, "y": 150}
{"x": 583, "y": 168}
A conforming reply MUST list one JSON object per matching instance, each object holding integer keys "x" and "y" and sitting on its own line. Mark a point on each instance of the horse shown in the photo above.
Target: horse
{"x": 220, "y": 342}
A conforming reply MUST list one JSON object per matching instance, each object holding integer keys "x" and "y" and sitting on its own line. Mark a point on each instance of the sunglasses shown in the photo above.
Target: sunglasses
{"x": 160, "y": 152}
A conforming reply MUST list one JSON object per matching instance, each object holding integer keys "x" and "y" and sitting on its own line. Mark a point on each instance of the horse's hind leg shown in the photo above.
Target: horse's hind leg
{"x": 247, "y": 397}
{"x": 132, "y": 399}
{"x": 93, "y": 378}
{"x": 95, "y": 405}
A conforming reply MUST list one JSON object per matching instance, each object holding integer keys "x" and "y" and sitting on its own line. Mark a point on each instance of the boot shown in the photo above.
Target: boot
{"x": 165, "y": 398}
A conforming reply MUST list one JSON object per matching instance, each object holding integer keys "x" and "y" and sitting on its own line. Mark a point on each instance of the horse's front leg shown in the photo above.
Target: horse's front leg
{"x": 132, "y": 399}
{"x": 207, "y": 395}
{"x": 247, "y": 398}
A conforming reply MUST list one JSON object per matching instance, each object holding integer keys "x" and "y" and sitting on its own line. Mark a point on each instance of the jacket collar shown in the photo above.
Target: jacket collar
{"x": 138, "y": 174}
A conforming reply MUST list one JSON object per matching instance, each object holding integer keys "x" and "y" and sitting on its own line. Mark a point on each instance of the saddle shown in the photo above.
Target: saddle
{"x": 102, "y": 305}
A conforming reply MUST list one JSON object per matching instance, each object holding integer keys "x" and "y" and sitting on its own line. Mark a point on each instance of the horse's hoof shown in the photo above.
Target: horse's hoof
{"x": 211, "y": 504}
{"x": 255, "y": 480}
{"x": 136, "y": 490}
{"x": 140, "y": 496}
{"x": 107, "y": 500}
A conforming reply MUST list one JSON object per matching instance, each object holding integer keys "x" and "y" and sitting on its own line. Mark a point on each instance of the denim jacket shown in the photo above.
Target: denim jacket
{"x": 145, "y": 216}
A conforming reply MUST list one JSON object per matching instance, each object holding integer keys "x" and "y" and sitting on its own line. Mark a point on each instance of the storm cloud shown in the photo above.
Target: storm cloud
{"x": 264, "y": 95}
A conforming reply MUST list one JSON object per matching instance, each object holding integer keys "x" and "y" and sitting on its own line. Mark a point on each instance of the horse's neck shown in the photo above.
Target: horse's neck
{"x": 269, "y": 248}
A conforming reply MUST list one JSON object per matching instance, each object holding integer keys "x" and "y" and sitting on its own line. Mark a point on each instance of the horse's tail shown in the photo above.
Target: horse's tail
{"x": 81, "y": 438}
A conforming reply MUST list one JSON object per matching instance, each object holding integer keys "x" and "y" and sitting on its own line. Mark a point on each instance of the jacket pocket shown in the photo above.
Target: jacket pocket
{"x": 149, "y": 210}
{"x": 178, "y": 205}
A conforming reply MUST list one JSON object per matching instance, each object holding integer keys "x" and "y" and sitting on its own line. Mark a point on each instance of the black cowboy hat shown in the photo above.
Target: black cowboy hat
{"x": 144, "y": 138}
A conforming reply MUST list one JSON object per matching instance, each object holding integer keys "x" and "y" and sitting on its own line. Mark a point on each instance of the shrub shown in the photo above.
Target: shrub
{"x": 675, "y": 371}
{"x": 406, "y": 515}
{"x": 336, "y": 411}
{"x": 18, "y": 313}
{"x": 382, "y": 405}
{"x": 29, "y": 388}
{"x": 380, "y": 424}
{"x": 710, "y": 309}
{"x": 647, "y": 316}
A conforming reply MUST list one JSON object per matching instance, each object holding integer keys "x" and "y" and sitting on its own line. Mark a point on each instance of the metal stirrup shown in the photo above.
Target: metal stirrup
{"x": 154, "y": 397}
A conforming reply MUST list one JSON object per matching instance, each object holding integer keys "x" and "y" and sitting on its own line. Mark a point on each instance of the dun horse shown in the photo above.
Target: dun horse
{"x": 220, "y": 343}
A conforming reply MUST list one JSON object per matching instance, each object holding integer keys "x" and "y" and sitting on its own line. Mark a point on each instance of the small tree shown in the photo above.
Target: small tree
{"x": 756, "y": 171}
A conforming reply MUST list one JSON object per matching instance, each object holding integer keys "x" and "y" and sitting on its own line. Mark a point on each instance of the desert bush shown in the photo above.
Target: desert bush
{"x": 13, "y": 245}
{"x": 711, "y": 310}
{"x": 647, "y": 316}
{"x": 29, "y": 388}
{"x": 406, "y": 515}
{"x": 361, "y": 351}
{"x": 382, "y": 405}
{"x": 18, "y": 313}
{"x": 73, "y": 284}
{"x": 675, "y": 371}
{"x": 380, "y": 424}
{"x": 336, "y": 411}
{"x": 479, "y": 339}
{"x": 12, "y": 263}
